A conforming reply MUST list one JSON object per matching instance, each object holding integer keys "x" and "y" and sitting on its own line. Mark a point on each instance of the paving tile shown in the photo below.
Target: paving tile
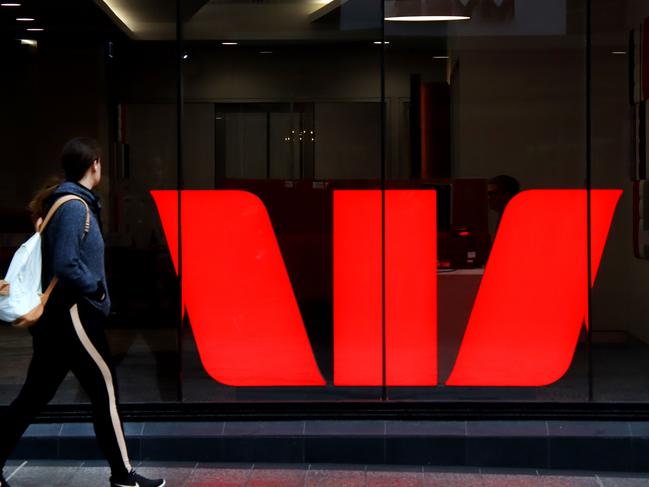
{"x": 335, "y": 478}
{"x": 425, "y": 451}
{"x": 264, "y": 428}
{"x": 341, "y": 467}
{"x": 492, "y": 480}
{"x": 55, "y": 463}
{"x": 133, "y": 429}
{"x": 364, "y": 451}
{"x": 11, "y": 466}
{"x": 529, "y": 472}
{"x": 87, "y": 429}
{"x": 355, "y": 428}
{"x": 39, "y": 430}
{"x": 8, "y": 471}
{"x": 155, "y": 464}
{"x": 395, "y": 479}
{"x": 221, "y": 465}
{"x": 98, "y": 463}
{"x": 182, "y": 449}
{"x": 449, "y": 479}
{"x": 639, "y": 428}
{"x": 640, "y": 449}
{"x": 80, "y": 449}
{"x": 414, "y": 469}
{"x": 183, "y": 429}
{"x": 425, "y": 428}
{"x": 264, "y": 477}
{"x": 623, "y": 482}
{"x": 87, "y": 475}
{"x": 223, "y": 477}
{"x": 568, "y": 481}
{"x": 507, "y": 452}
{"x": 281, "y": 450}
{"x": 614, "y": 454}
{"x": 39, "y": 476}
{"x": 506, "y": 429}
{"x": 175, "y": 476}
{"x": 464, "y": 469}
{"x": 36, "y": 448}
{"x": 281, "y": 466}
{"x": 615, "y": 429}
{"x": 77, "y": 429}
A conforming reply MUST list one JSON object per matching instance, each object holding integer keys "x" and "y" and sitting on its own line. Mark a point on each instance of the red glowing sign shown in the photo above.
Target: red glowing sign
{"x": 410, "y": 294}
{"x": 522, "y": 332}
{"x": 533, "y": 299}
{"x": 240, "y": 303}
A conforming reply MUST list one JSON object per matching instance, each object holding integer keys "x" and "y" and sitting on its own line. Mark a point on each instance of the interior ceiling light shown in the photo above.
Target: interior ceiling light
{"x": 9, "y": 5}
{"x": 25, "y": 19}
{"x": 119, "y": 11}
{"x": 36, "y": 29}
{"x": 29, "y": 42}
{"x": 426, "y": 11}
{"x": 378, "y": 43}
{"x": 230, "y": 43}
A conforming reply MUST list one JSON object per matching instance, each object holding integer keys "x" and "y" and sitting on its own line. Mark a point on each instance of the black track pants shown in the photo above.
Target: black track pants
{"x": 70, "y": 339}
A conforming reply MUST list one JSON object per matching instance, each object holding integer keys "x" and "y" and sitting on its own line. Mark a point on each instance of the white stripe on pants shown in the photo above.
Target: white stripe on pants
{"x": 108, "y": 379}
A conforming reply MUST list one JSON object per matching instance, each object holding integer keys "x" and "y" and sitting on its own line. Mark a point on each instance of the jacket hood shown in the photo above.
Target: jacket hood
{"x": 68, "y": 187}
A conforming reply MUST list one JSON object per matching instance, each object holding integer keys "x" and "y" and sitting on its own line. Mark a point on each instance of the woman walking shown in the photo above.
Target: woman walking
{"x": 70, "y": 335}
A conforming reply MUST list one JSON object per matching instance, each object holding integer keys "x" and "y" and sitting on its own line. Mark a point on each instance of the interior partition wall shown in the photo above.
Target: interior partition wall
{"x": 321, "y": 202}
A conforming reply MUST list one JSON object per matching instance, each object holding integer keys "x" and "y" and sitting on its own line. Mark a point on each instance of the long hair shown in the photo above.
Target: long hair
{"x": 38, "y": 205}
{"x": 77, "y": 156}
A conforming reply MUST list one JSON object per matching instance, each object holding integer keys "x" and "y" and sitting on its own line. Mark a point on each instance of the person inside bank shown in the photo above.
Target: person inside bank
{"x": 500, "y": 191}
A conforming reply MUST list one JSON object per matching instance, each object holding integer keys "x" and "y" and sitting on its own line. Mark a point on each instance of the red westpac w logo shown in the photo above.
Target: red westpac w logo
{"x": 523, "y": 328}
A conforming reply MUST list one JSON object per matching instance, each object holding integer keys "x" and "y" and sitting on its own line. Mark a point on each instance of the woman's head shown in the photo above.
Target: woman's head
{"x": 81, "y": 161}
{"x": 81, "y": 158}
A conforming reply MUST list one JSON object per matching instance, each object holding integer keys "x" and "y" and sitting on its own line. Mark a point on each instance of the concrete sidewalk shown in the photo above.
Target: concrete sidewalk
{"x": 95, "y": 474}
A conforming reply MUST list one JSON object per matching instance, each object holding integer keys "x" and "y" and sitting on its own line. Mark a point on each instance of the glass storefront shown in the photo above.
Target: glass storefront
{"x": 347, "y": 200}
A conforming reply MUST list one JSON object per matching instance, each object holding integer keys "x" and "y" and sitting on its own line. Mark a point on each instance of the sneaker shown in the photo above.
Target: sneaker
{"x": 133, "y": 480}
{"x": 3, "y": 482}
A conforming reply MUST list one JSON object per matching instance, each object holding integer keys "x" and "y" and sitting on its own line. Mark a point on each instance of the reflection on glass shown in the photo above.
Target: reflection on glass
{"x": 474, "y": 106}
{"x": 295, "y": 93}
{"x": 302, "y": 104}
{"x": 620, "y": 331}
{"x": 55, "y": 87}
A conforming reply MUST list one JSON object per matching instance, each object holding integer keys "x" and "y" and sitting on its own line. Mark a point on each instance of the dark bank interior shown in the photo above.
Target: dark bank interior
{"x": 293, "y": 100}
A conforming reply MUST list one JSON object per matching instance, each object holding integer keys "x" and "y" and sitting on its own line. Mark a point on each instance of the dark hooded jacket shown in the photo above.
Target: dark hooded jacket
{"x": 76, "y": 257}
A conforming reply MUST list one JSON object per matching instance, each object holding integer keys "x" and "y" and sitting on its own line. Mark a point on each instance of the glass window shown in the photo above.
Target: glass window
{"x": 482, "y": 111}
{"x": 78, "y": 70}
{"x": 286, "y": 99}
{"x": 347, "y": 200}
{"x": 619, "y": 164}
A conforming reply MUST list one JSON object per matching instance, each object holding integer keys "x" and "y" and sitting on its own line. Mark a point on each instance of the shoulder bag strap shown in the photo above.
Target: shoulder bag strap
{"x": 58, "y": 204}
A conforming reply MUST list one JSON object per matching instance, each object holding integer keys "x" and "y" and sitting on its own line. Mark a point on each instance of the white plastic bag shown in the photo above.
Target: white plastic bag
{"x": 24, "y": 278}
